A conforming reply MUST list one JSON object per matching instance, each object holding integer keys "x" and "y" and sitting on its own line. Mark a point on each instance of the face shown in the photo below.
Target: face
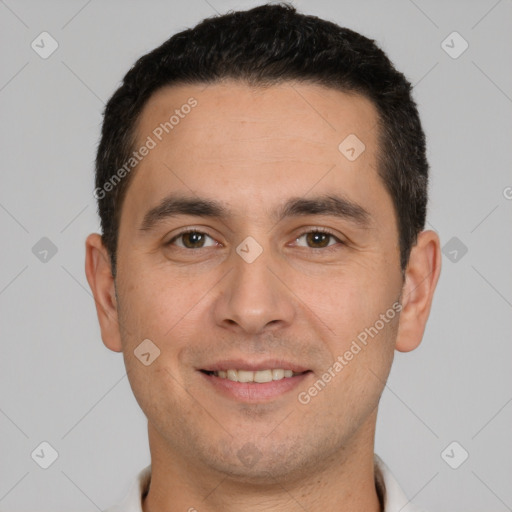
{"x": 291, "y": 255}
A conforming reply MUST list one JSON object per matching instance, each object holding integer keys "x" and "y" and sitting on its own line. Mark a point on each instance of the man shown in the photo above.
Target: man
{"x": 262, "y": 188}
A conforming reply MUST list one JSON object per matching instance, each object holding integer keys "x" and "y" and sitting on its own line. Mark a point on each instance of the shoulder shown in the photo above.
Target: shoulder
{"x": 139, "y": 488}
{"x": 394, "y": 498}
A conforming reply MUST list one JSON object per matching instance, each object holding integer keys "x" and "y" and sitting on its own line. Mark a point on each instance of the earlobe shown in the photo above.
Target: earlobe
{"x": 421, "y": 277}
{"x": 99, "y": 275}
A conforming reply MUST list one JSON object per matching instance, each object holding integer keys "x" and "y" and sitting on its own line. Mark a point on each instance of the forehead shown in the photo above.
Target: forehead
{"x": 282, "y": 112}
{"x": 250, "y": 145}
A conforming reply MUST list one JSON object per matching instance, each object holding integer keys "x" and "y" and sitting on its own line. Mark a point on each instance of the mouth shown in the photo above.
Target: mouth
{"x": 258, "y": 376}
{"x": 254, "y": 383}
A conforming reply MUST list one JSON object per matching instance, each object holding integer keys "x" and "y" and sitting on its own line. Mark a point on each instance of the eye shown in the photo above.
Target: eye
{"x": 319, "y": 238}
{"x": 192, "y": 239}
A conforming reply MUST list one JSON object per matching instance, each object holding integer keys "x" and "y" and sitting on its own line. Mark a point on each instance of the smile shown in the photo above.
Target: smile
{"x": 259, "y": 384}
{"x": 260, "y": 376}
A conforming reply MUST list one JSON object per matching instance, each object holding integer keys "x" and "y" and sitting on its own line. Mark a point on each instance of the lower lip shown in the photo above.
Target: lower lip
{"x": 254, "y": 391}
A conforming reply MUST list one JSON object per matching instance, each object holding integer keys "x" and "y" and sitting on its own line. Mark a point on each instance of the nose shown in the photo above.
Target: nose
{"x": 254, "y": 297}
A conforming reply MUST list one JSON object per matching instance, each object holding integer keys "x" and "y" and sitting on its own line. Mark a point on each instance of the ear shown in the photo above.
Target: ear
{"x": 421, "y": 278}
{"x": 99, "y": 275}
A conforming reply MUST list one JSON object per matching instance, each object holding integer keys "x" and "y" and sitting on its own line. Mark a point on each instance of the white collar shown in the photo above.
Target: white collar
{"x": 394, "y": 498}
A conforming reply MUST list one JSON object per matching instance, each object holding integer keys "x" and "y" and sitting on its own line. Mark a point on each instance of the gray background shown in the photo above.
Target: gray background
{"x": 61, "y": 385}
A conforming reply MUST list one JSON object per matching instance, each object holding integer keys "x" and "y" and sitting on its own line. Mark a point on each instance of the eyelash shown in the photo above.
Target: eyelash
{"x": 311, "y": 230}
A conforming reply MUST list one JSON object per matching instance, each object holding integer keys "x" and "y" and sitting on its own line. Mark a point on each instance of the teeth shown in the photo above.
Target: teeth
{"x": 277, "y": 374}
{"x": 260, "y": 376}
{"x": 244, "y": 376}
{"x": 263, "y": 376}
{"x": 232, "y": 375}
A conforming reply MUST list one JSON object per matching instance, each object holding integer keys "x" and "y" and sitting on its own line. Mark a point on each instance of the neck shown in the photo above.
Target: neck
{"x": 346, "y": 482}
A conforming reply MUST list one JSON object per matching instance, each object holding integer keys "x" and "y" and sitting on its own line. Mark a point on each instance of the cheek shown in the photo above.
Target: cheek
{"x": 152, "y": 304}
{"x": 160, "y": 393}
{"x": 362, "y": 357}
{"x": 350, "y": 300}
{"x": 362, "y": 314}
{"x": 153, "y": 309}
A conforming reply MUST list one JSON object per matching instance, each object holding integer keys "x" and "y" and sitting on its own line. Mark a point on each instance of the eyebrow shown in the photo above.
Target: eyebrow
{"x": 329, "y": 205}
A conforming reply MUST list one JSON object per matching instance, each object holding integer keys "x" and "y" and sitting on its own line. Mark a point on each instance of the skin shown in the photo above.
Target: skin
{"x": 252, "y": 149}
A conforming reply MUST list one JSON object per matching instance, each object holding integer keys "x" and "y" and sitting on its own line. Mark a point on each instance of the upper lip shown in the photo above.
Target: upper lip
{"x": 254, "y": 366}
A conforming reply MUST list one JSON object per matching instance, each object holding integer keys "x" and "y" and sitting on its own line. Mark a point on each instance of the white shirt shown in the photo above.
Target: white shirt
{"x": 394, "y": 498}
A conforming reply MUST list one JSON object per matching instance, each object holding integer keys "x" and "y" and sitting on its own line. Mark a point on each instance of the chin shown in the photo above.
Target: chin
{"x": 263, "y": 462}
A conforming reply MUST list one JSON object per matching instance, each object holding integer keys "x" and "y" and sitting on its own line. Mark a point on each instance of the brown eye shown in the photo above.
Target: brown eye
{"x": 318, "y": 239}
{"x": 191, "y": 240}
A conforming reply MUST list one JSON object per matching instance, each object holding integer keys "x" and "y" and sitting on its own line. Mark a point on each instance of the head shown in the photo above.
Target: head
{"x": 292, "y": 150}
